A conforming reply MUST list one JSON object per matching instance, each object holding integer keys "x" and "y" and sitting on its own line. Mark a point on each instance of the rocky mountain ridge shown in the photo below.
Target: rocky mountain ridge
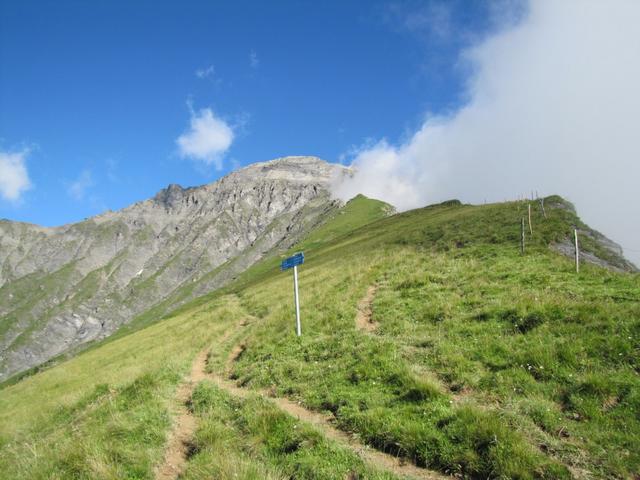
{"x": 64, "y": 286}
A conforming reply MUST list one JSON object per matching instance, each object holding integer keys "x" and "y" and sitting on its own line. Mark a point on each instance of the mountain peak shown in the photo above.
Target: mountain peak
{"x": 177, "y": 243}
{"x": 170, "y": 196}
{"x": 307, "y": 169}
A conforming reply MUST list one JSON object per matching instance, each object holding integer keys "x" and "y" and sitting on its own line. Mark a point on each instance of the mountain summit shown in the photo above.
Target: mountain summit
{"x": 64, "y": 286}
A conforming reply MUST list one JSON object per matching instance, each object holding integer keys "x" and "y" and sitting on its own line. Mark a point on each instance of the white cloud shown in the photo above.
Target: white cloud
{"x": 79, "y": 187}
{"x": 207, "y": 72}
{"x": 432, "y": 20}
{"x": 254, "y": 61}
{"x": 207, "y": 139}
{"x": 553, "y": 107}
{"x": 14, "y": 177}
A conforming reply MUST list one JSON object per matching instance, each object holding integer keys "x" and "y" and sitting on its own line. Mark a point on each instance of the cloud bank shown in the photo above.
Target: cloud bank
{"x": 207, "y": 139}
{"x": 553, "y": 106}
{"x": 14, "y": 177}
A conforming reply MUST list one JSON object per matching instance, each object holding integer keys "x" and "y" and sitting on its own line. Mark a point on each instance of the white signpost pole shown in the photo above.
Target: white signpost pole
{"x": 295, "y": 290}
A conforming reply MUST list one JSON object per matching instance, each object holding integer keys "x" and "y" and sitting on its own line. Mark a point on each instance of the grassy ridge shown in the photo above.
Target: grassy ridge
{"x": 486, "y": 363}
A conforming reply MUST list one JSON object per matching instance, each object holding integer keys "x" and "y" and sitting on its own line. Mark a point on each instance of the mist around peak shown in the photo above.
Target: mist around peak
{"x": 552, "y": 108}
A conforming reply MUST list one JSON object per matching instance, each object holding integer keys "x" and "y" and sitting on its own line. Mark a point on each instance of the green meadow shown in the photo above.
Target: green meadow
{"x": 485, "y": 363}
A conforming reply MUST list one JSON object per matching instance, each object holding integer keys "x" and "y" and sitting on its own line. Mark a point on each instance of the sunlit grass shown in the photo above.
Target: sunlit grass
{"x": 105, "y": 413}
{"x": 252, "y": 439}
{"x": 486, "y": 363}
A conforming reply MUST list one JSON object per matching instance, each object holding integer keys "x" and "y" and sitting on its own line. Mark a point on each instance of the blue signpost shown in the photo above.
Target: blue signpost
{"x": 293, "y": 262}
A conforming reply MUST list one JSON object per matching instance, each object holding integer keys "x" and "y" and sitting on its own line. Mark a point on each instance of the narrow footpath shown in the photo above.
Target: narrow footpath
{"x": 364, "y": 315}
{"x": 181, "y": 438}
{"x": 376, "y": 458}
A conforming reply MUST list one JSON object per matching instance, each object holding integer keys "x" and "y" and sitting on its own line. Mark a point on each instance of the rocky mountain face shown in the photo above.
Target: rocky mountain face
{"x": 62, "y": 287}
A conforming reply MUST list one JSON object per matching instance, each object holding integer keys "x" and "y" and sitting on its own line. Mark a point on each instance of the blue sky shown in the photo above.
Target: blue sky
{"x": 94, "y": 96}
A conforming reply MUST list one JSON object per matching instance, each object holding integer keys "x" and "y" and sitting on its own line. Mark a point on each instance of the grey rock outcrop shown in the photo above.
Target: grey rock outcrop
{"x": 611, "y": 255}
{"x": 595, "y": 248}
{"x": 62, "y": 287}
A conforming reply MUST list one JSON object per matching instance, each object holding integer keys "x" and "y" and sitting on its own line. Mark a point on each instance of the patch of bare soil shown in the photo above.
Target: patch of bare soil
{"x": 364, "y": 319}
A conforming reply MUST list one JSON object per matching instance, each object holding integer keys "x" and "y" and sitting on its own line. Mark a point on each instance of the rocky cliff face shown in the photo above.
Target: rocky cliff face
{"x": 61, "y": 287}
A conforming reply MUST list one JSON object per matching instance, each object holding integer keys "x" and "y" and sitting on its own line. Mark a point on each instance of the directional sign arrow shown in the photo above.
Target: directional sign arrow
{"x": 297, "y": 259}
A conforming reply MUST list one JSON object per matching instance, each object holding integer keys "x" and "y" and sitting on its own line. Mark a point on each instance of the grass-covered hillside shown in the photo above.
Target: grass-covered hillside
{"x": 425, "y": 335}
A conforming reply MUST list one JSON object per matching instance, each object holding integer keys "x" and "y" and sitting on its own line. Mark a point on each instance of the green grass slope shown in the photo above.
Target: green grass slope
{"x": 485, "y": 363}
{"x": 356, "y": 213}
{"x": 105, "y": 413}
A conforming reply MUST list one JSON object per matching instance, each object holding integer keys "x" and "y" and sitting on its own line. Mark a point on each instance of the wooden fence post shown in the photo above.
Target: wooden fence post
{"x": 575, "y": 235}
{"x": 530, "y": 226}
{"x": 522, "y": 237}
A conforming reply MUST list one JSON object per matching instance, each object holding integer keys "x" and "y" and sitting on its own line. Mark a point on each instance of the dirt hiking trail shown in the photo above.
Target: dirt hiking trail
{"x": 179, "y": 444}
{"x": 376, "y": 458}
{"x": 180, "y": 440}
{"x": 364, "y": 320}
